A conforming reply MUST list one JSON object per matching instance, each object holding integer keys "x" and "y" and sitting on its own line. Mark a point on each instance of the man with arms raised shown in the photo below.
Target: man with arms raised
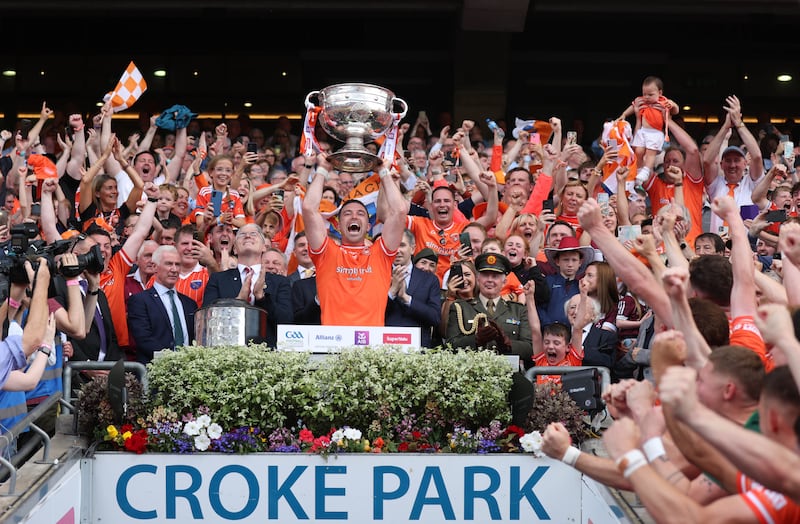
{"x": 353, "y": 278}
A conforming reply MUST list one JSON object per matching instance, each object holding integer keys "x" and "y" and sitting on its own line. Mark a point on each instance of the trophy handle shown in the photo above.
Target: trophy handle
{"x": 403, "y": 103}
{"x": 308, "y": 103}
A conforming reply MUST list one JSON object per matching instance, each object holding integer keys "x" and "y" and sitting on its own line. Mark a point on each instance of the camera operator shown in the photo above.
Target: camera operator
{"x": 15, "y": 348}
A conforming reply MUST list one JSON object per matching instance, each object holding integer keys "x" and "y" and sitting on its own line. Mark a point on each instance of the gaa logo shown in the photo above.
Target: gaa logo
{"x": 293, "y": 335}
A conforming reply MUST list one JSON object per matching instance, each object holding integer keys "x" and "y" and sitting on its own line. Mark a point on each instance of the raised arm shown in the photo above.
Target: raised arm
{"x": 174, "y": 166}
{"x": 316, "y": 227}
{"x": 77, "y": 157}
{"x": 395, "y": 210}
{"x": 87, "y": 179}
{"x": 147, "y": 141}
{"x": 48, "y": 216}
{"x": 734, "y": 109}
{"x": 769, "y": 463}
{"x": 112, "y": 166}
{"x": 33, "y": 134}
{"x": 136, "y": 193}
{"x": 711, "y": 156}
{"x": 38, "y": 312}
{"x": 533, "y": 318}
{"x": 142, "y": 228}
{"x": 759, "y": 195}
{"x": 693, "y": 164}
{"x": 638, "y": 278}
{"x": 676, "y": 284}
{"x": 743, "y": 292}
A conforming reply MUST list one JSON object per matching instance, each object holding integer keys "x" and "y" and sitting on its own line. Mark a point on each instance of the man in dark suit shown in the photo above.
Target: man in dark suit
{"x": 414, "y": 296}
{"x": 305, "y": 266}
{"x": 305, "y": 302}
{"x": 160, "y": 317}
{"x": 267, "y": 291}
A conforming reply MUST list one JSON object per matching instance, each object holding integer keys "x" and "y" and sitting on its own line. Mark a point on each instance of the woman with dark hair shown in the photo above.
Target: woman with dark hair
{"x": 601, "y": 284}
{"x": 458, "y": 286}
{"x": 98, "y": 193}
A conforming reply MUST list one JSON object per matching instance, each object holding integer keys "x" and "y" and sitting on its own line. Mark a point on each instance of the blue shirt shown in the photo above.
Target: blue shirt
{"x": 11, "y": 356}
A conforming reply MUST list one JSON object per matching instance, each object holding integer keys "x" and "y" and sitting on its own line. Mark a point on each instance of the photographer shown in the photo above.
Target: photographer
{"x": 16, "y": 348}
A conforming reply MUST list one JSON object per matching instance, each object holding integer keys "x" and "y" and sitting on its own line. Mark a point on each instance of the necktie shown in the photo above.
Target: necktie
{"x": 249, "y": 271}
{"x": 177, "y": 328}
{"x": 731, "y": 189}
{"x": 98, "y": 321}
{"x": 308, "y": 273}
{"x": 490, "y": 307}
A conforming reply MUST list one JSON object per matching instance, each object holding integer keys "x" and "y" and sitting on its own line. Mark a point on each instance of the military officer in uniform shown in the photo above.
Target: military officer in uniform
{"x": 487, "y": 321}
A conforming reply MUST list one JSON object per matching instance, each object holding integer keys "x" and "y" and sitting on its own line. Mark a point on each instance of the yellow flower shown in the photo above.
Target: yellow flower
{"x": 112, "y": 431}
{"x": 126, "y": 435}
{"x": 366, "y": 446}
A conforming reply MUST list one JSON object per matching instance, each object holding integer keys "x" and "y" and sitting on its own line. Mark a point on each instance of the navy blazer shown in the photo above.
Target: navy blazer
{"x": 600, "y": 347}
{"x": 304, "y": 304}
{"x": 149, "y": 326}
{"x": 425, "y": 309}
{"x": 277, "y": 300}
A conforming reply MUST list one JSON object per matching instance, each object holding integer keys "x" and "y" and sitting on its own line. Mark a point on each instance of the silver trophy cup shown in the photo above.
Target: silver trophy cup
{"x": 356, "y": 114}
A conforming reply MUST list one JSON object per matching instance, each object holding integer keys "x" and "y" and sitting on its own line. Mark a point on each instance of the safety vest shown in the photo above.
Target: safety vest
{"x": 13, "y": 408}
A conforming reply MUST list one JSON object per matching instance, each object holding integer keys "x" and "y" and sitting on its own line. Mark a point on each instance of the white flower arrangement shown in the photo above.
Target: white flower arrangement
{"x": 532, "y": 443}
{"x": 203, "y": 431}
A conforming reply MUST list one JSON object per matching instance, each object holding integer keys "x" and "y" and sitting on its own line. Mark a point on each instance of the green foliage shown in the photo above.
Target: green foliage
{"x": 371, "y": 388}
{"x": 241, "y": 386}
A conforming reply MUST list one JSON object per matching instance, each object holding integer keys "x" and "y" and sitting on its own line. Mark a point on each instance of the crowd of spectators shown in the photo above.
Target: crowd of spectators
{"x": 678, "y": 276}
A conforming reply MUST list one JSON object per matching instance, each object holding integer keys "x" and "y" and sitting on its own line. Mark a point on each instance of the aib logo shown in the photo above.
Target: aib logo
{"x": 294, "y": 334}
{"x": 362, "y": 338}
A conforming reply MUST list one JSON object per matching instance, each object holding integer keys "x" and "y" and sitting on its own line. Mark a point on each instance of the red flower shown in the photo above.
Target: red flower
{"x": 126, "y": 427}
{"x": 515, "y": 429}
{"x": 403, "y": 446}
{"x": 138, "y": 442}
{"x": 416, "y": 434}
{"x": 320, "y": 443}
{"x": 378, "y": 442}
{"x": 306, "y": 435}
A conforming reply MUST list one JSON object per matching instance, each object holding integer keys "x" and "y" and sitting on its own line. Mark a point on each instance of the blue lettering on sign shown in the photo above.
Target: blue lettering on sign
{"x": 443, "y": 500}
{"x": 122, "y": 492}
{"x": 470, "y": 494}
{"x": 172, "y": 493}
{"x": 278, "y": 491}
{"x": 432, "y": 491}
{"x": 293, "y": 334}
{"x": 380, "y": 494}
{"x": 516, "y": 493}
{"x": 321, "y": 491}
{"x": 252, "y": 488}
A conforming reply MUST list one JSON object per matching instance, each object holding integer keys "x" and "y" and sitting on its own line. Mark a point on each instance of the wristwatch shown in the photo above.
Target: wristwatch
{"x": 44, "y": 349}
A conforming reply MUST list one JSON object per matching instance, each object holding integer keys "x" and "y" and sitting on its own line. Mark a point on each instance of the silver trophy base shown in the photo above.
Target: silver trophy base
{"x": 354, "y": 161}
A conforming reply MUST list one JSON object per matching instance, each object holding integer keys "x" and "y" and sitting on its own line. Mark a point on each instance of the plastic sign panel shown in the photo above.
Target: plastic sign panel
{"x": 361, "y": 488}
{"x": 328, "y": 339}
